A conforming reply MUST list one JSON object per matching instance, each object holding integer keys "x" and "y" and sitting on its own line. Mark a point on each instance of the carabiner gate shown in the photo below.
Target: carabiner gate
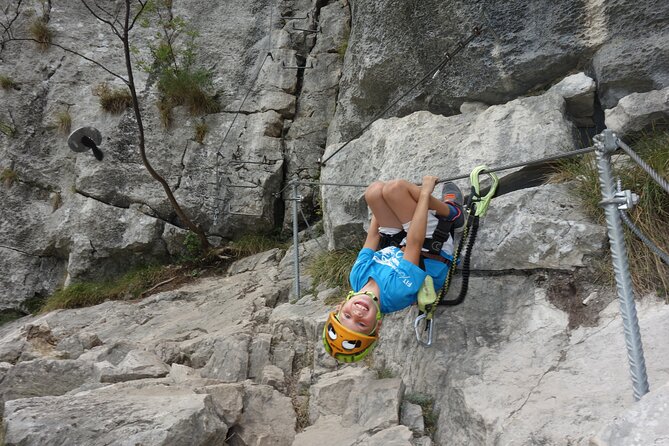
{"x": 428, "y": 327}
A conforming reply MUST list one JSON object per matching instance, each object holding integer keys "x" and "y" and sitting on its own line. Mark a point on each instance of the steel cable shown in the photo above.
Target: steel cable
{"x": 645, "y": 166}
{"x": 648, "y": 242}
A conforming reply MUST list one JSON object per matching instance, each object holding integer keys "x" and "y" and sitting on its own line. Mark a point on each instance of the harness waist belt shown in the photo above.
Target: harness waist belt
{"x": 436, "y": 257}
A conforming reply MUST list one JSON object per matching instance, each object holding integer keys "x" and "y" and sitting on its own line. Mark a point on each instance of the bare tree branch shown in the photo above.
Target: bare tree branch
{"x": 141, "y": 9}
{"x": 100, "y": 19}
{"x": 71, "y": 51}
{"x": 7, "y": 27}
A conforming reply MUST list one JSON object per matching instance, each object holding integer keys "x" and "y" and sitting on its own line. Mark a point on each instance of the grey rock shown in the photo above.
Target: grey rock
{"x": 392, "y": 436}
{"x": 268, "y": 417}
{"x": 229, "y": 361}
{"x": 638, "y": 111}
{"x": 330, "y": 394}
{"x": 445, "y": 146}
{"x": 646, "y": 422}
{"x": 273, "y": 376}
{"x": 411, "y": 415}
{"x": 43, "y": 377}
{"x": 137, "y": 364}
{"x": 259, "y": 354}
{"x": 304, "y": 380}
{"x": 472, "y": 107}
{"x": 633, "y": 64}
{"x": 329, "y": 431}
{"x": 376, "y": 405}
{"x": 228, "y": 400}
{"x": 115, "y": 415}
{"x": 507, "y": 60}
{"x": 579, "y": 92}
{"x": 77, "y": 343}
{"x": 180, "y": 373}
{"x": 542, "y": 227}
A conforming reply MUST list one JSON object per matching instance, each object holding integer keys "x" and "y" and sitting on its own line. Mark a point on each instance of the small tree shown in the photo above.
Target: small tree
{"x": 120, "y": 17}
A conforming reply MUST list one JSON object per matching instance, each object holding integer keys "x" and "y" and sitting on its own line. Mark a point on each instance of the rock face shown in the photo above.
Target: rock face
{"x": 290, "y": 80}
{"x": 521, "y": 48}
{"x": 231, "y": 358}
{"x": 237, "y": 359}
{"x": 67, "y": 217}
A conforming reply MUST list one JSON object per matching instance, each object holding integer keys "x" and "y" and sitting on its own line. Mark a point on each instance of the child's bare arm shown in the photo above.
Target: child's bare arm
{"x": 373, "y": 236}
{"x": 416, "y": 234}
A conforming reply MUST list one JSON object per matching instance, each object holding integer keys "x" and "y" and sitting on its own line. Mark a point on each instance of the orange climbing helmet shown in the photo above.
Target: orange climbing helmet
{"x": 344, "y": 344}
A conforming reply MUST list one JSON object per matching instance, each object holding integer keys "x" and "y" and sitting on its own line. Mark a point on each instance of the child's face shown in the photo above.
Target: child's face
{"x": 358, "y": 314}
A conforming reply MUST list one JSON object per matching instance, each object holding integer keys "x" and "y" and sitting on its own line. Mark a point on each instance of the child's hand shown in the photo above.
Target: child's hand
{"x": 429, "y": 182}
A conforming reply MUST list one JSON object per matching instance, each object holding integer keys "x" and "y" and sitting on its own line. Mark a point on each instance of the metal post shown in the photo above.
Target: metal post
{"x": 605, "y": 144}
{"x": 296, "y": 240}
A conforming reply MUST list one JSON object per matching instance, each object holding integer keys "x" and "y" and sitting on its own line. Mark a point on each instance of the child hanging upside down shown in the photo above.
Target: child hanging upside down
{"x": 392, "y": 265}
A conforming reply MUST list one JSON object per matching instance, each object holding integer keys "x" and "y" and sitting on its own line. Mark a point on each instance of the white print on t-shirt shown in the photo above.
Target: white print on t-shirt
{"x": 391, "y": 257}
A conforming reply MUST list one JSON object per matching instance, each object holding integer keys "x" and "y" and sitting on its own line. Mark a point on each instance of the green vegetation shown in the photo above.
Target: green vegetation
{"x": 6, "y": 83}
{"x": 180, "y": 81}
{"x": 63, "y": 122}
{"x": 192, "y": 248}
{"x": 8, "y": 177}
{"x": 341, "y": 49}
{"x": 8, "y": 129}
{"x": 426, "y": 403}
{"x": 201, "y": 130}
{"x": 39, "y": 30}
{"x": 141, "y": 281}
{"x": 651, "y": 215}
{"x": 130, "y": 286}
{"x": 8, "y": 316}
{"x": 113, "y": 100}
{"x": 333, "y": 268}
{"x": 254, "y": 244}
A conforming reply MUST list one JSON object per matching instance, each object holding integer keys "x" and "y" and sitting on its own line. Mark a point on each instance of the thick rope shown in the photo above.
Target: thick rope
{"x": 649, "y": 170}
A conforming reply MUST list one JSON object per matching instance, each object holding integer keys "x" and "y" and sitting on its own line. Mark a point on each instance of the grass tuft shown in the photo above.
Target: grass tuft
{"x": 426, "y": 403}
{"x": 63, "y": 122}
{"x": 8, "y": 129}
{"x": 201, "y": 130}
{"x": 129, "y": 286}
{"x": 113, "y": 100}
{"x": 333, "y": 268}
{"x": 189, "y": 88}
{"x": 651, "y": 214}
{"x": 6, "y": 83}
{"x": 8, "y": 177}
{"x": 39, "y": 30}
{"x": 253, "y": 244}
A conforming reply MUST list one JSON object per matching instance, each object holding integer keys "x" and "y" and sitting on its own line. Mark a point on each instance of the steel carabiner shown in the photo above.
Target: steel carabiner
{"x": 428, "y": 327}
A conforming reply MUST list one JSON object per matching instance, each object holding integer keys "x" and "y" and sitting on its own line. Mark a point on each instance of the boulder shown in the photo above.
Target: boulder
{"x": 638, "y": 111}
{"x": 578, "y": 90}
{"x": 646, "y": 422}
{"x": 115, "y": 413}
{"x": 268, "y": 418}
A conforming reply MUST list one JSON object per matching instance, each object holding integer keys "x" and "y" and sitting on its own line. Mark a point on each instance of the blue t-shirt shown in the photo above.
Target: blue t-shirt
{"x": 399, "y": 280}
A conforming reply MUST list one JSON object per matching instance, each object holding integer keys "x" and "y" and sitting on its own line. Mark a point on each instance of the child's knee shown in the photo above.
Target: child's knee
{"x": 394, "y": 187}
{"x": 374, "y": 191}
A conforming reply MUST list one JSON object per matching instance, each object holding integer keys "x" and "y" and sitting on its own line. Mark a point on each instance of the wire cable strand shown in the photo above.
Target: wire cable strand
{"x": 645, "y": 166}
{"x": 648, "y": 242}
{"x": 433, "y": 72}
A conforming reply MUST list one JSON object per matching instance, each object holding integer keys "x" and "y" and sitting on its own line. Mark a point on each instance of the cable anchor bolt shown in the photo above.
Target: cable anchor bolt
{"x": 625, "y": 199}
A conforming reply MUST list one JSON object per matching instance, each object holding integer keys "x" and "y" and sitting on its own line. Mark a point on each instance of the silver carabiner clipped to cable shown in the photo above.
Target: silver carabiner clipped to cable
{"x": 429, "y": 325}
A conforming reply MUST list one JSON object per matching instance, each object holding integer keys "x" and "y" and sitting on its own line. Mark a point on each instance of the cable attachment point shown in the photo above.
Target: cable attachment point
{"x": 625, "y": 199}
{"x": 606, "y": 142}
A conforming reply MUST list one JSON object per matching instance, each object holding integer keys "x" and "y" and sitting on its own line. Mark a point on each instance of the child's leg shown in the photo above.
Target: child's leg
{"x": 385, "y": 217}
{"x": 400, "y": 198}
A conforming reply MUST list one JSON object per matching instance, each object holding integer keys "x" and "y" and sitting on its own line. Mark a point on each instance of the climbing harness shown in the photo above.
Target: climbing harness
{"x": 428, "y": 300}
